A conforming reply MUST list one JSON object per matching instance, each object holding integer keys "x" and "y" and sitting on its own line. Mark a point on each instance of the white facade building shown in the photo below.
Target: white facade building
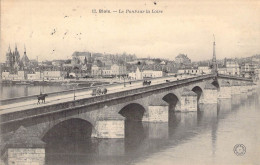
{"x": 222, "y": 70}
{"x": 232, "y": 67}
{"x": 118, "y": 70}
{"x": 204, "y": 69}
{"x": 106, "y": 72}
{"x": 138, "y": 75}
{"x": 34, "y": 76}
{"x": 189, "y": 71}
{"x": 152, "y": 73}
{"x": 53, "y": 75}
{"x": 19, "y": 76}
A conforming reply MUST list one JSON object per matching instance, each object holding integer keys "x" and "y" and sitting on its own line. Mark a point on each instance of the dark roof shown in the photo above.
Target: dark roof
{"x": 173, "y": 70}
{"x": 182, "y": 56}
{"x": 203, "y": 64}
{"x": 134, "y": 67}
{"x": 107, "y": 67}
{"x": 221, "y": 66}
{"x": 153, "y": 67}
{"x": 25, "y": 58}
{"x": 81, "y": 54}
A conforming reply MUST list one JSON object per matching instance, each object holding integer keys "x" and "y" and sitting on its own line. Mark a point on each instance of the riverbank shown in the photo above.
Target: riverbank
{"x": 74, "y": 82}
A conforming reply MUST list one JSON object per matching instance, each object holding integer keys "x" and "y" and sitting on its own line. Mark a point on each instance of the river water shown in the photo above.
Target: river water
{"x": 204, "y": 137}
{"x": 12, "y": 91}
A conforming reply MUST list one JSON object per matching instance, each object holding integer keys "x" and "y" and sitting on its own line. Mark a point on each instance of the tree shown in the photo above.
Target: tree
{"x": 68, "y": 61}
{"x": 99, "y": 63}
{"x": 157, "y": 60}
{"x": 85, "y": 61}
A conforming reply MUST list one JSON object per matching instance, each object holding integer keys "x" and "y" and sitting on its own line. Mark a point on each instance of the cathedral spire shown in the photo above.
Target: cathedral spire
{"x": 9, "y": 49}
{"x": 24, "y": 49}
{"x": 214, "y": 60}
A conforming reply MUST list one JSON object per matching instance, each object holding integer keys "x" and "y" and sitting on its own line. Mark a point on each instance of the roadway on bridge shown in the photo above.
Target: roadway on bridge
{"x": 20, "y": 106}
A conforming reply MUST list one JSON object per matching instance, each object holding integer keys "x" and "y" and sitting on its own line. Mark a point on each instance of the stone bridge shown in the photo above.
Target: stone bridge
{"x": 105, "y": 116}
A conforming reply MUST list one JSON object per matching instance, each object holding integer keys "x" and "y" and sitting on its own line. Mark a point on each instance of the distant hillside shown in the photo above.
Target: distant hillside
{"x": 107, "y": 55}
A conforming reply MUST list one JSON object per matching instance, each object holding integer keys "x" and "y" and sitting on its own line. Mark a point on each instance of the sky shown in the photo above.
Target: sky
{"x": 54, "y": 29}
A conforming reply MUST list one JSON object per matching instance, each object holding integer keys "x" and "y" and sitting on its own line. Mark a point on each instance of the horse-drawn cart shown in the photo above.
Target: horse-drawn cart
{"x": 146, "y": 82}
{"x": 99, "y": 91}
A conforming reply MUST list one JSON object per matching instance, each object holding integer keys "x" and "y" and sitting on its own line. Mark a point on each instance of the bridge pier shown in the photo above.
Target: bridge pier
{"x": 235, "y": 88}
{"x": 210, "y": 94}
{"x": 157, "y": 113}
{"x": 188, "y": 101}
{"x": 224, "y": 90}
{"x": 110, "y": 127}
{"x": 23, "y": 148}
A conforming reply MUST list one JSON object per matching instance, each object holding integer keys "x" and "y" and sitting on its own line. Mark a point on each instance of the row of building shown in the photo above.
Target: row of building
{"x": 85, "y": 64}
{"x": 37, "y": 76}
{"x": 136, "y": 71}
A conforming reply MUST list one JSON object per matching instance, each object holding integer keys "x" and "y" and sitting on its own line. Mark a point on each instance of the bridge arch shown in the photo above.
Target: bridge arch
{"x": 172, "y": 100}
{"x": 134, "y": 129}
{"x": 73, "y": 129}
{"x": 216, "y": 84}
{"x": 133, "y": 112}
{"x": 198, "y": 90}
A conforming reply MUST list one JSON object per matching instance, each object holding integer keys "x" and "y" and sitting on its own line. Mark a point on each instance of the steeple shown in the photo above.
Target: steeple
{"x": 25, "y": 60}
{"x": 9, "y": 49}
{"x": 214, "y": 60}
{"x": 15, "y": 47}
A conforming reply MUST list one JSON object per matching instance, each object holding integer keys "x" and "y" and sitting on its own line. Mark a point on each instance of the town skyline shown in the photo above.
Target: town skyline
{"x": 107, "y": 53}
{"x": 186, "y": 28}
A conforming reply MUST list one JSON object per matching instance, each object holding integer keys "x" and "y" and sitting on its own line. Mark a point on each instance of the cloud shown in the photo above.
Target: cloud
{"x": 183, "y": 27}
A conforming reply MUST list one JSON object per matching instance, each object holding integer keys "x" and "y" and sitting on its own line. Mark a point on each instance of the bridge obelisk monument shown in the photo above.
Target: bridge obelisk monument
{"x": 214, "y": 60}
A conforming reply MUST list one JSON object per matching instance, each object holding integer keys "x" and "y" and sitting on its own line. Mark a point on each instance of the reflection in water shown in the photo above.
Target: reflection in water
{"x": 60, "y": 152}
{"x": 206, "y": 131}
{"x": 134, "y": 135}
{"x": 235, "y": 100}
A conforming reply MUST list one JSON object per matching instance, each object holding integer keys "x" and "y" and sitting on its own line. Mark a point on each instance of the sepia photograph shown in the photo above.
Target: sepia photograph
{"x": 120, "y": 82}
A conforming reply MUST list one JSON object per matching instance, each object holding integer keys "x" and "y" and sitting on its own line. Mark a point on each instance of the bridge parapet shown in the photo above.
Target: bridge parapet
{"x": 233, "y": 77}
{"x": 97, "y": 101}
{"x": 70, "y": 91}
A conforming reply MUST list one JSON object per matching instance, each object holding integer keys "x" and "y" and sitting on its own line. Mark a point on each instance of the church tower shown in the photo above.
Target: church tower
{"x": 25, "y": 60}
{"x": 9, "y": 57}
{"x": 214, "y": 60}
{"x": 16, "y": 55}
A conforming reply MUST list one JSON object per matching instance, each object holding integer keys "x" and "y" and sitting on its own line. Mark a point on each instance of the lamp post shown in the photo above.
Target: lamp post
{"x": 124, "y": 80}
{"x": 74, "y": 93}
